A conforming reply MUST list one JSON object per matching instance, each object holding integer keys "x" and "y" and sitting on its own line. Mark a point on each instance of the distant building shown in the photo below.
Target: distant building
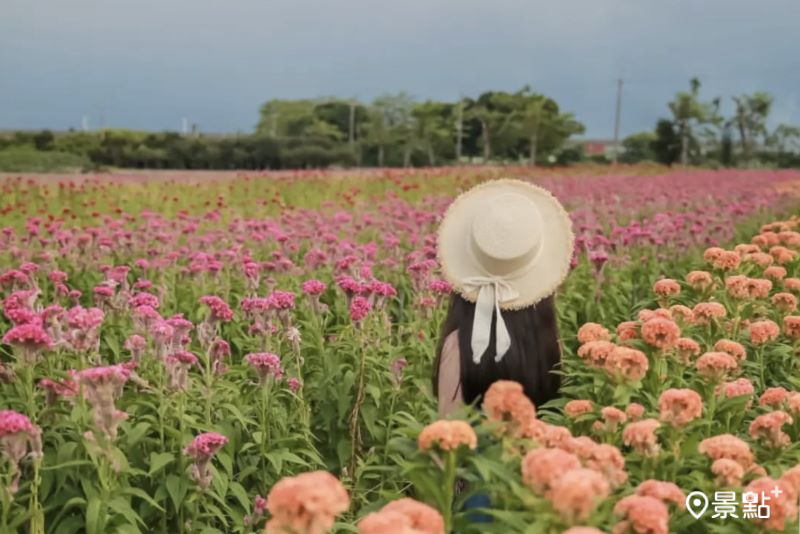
{"x": 597, "y": 147}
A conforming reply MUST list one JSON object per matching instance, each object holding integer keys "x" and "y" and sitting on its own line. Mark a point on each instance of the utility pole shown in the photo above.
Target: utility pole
{"x": 616, "y": 119}
{"x": 459, "y": 127}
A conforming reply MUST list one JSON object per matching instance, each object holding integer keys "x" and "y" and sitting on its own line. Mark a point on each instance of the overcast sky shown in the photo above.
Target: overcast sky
{"x": 146, "y": 64}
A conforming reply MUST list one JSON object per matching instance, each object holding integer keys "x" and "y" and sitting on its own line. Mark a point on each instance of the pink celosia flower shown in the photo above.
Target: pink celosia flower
{"x": 613, "y": 417}
{"x": 294, "y": 384}
{"x": 608, "y": 461}
{"x": 641, "y": 435}
{"x": 307, "y": 503}
{"x": 359, "y": 309}
{"x": 576, "y": 408}
{"x": 17, "y": 436}
{"x": 680, "y": 406}
{"x": 447, "y": 436}
{"x": 541, "y": 467}
{"x": 641, "y": 514}
{"x": 220, "y": 311}
{"x": 592, "y": 332}
{"x": 767, "y": 428}
{"x": 177, "y": 365}
{"x": 100, "y": 386}
{"x": 577, "y": 493}
{"x": 727, "y": 472}
{"x": 763, "y": 331}
{"x": 202, "y": 449}
{"x": 442, "y": 287}
{"x": 715, "y": 365}
{"x": 666, "y": 492}
{"x": 136, "y": 345}
{"x": 660, "y": 333}
{"x": 314, "y": 287}
{"x": 31, "y": 338}
{"x": 266, "y": 364}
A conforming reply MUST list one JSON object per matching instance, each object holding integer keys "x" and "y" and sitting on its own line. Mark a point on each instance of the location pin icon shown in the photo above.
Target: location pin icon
{"x": 697, "y": 503}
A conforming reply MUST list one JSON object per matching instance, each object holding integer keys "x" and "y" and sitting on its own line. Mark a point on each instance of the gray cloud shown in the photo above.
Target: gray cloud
{"x": 147, "y": 64}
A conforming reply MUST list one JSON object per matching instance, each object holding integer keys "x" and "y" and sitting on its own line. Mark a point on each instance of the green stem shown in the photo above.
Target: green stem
{"x": 449, "y": 490}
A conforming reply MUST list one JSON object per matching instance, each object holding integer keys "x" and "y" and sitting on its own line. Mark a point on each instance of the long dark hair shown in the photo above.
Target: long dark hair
{"x": 530, "y": 361}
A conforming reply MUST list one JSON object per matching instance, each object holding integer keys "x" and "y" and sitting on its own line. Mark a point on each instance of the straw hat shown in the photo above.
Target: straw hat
{"x": 504, "y": 244}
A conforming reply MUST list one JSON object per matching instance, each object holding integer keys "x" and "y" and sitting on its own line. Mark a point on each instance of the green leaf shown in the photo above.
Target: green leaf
{"x": 94, "y": 516}
{"x": 137, "y": 492}
{"x": 177, "y": 488}
{"x": 158, "y": 460}
{"x": 121, "y": 505}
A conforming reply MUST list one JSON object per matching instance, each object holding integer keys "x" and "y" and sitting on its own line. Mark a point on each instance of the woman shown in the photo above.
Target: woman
{"x": 505, "y": 246}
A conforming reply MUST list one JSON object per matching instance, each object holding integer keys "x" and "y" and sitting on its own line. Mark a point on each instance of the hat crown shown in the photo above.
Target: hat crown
{"x": 506, "y": 234}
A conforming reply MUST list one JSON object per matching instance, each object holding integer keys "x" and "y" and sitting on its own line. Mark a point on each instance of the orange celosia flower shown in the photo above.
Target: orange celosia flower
{"x": 682, "y": 313}
{"x": 782, "y": 255}
{"x": 767, "y": 428}
{"x": 660, "y": 333}
{"x": 447, "y": 436}
{"x": 687, "y": 348}
{"x": 542, "y": 467}
{"x": 307, "y": 503}
{"x": 784, "y": 302}
{"x": 403, "y": 516}
{"x": 759, "y": 258}
{"x": 576, "y": 408}
{"x": 791, "y": 326}
{"x": 666, "y": 492}
{"x": 763, "y": 331}
{"x": 595, "y": 353}
{"x": 506, "y": 402}
{"x": 706, "y": 311}
{"x": 738, "y": 387}
{"x": 666, "y": 287}
{"x": 699, "y": 280}
{"x": 577, "y": 493}
{"x": 775, "y": 272}
{"x": 627, "y": 330}
{"x": 782, "y": 506}
{"x": 727, "y": 261}
{"x": 634, "y": 411}
{"x": 641, "y": 435}
{"x": 728, "y": 472}
{"x": 592, "y": 332}
{"x": 791, "y": 284}
{"x": 731, "y": 347}
{"x": 773, "y": 397}
{"x": 641, "y": 514}
{"x": 727, "y": 446}
{"x": 680, "y": 406}
{"x": 626, "y": 364}
{"x": 715, "y": 365}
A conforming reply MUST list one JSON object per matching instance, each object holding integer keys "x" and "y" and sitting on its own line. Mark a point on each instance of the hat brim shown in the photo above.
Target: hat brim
{"x": 538, "y": 280}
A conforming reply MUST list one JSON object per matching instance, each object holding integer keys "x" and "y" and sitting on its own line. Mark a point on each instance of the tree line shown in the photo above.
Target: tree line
{"x": 396, "y": 130}
{"x": 392, "y": 130}
{"x": 697, "y": 133}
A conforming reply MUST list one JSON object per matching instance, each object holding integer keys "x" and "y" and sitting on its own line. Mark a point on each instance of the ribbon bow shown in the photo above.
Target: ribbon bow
{"x": 492, "y": 292}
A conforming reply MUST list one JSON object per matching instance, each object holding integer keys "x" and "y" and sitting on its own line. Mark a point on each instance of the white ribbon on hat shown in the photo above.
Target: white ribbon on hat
{"x": 492, "y": 291}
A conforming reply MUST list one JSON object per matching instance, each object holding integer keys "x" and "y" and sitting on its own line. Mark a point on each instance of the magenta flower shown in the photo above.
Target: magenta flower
{"x": 101, "y": 386}
{"x": 359, "y": 309}
{"x": 314, "y": 287}
{"x": 17, "y": 435}
{"x": 266, "y": 365}
{"x": 442, "y": 287}
{"x": 202, "y": 449}
{"x": 29, "y": 336}
{"x": 281, "y": 300}
{"x": 220, "y": 311}
{"x": 294, "y": 384}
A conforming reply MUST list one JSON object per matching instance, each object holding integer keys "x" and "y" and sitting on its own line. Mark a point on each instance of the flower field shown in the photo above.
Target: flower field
{"x": 234, "y": 353}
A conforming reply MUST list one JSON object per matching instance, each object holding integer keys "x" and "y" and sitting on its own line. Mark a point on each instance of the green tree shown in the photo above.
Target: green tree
{"x": 638, "y": 147}
{"x": 687, "y": 112}
{"x": 750, "y": 120}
